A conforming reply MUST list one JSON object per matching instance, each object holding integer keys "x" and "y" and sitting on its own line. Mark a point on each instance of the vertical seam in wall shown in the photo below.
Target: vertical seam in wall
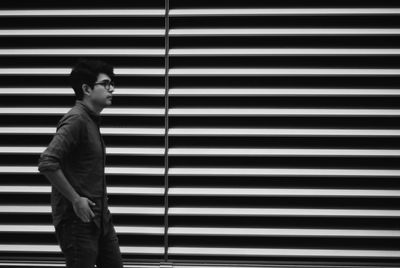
{"x": 166, "y": 84}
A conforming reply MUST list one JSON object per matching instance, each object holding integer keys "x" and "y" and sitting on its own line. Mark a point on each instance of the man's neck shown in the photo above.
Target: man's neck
{"x": 96, "y": 109}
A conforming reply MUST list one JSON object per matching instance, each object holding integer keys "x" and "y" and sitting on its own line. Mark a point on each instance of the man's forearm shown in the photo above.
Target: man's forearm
{"x": 58, "y": 179}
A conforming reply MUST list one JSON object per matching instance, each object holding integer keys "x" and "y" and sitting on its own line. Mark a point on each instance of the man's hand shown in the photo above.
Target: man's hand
{"x": 80, "y": 204}
{"x": 82, "y": 208}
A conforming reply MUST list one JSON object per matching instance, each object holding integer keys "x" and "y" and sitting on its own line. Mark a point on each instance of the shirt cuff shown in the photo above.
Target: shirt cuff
{"x": 48, "y": 164}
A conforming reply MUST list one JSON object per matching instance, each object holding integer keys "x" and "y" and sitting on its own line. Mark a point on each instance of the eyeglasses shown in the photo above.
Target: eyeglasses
{"x": 107, "y": 84}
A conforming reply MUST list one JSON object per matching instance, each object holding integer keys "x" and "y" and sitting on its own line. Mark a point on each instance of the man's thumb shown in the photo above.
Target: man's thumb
{"x": 91, "y": 203}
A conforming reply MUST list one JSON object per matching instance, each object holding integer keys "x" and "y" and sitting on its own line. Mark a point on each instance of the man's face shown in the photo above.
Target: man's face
{"x": 101, "y": 95}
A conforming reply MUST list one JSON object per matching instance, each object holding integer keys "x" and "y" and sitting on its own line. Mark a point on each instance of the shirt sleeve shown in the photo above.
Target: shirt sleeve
{"x": 64, "y": 141}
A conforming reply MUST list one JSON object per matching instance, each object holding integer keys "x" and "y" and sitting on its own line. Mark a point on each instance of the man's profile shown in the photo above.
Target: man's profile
{"x": 74, "y": 163}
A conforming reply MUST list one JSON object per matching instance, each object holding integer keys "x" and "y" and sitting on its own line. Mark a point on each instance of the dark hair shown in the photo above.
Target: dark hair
{"x": 86, "y": 72}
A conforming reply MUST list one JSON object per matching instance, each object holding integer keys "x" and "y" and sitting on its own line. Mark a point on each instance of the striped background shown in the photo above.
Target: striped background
{"x": 247, "y": 132}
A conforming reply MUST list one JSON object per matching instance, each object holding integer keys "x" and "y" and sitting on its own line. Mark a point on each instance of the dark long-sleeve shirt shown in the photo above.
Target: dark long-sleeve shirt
{"x": 78, "y": 150}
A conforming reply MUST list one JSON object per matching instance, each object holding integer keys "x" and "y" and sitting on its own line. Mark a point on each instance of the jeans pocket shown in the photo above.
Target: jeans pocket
{"x": 83, "y": 230}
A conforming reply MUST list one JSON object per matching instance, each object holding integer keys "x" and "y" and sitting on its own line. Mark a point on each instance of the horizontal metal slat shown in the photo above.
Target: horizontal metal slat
{"x": 296, "y": 172}
{"x": 282, "y": 52}
{"x": 108, "y": 170}
{"x": 215, "y": 191}
{"x": 281, "y": 11}
{"x": 282, "y": 232}
{"x": 282, "y": 212}
{"x": 66, "y": 52}
{"x": 31, "y": 189}
{"x": 83, "y": 32}
{"x": 64, "y": 110}
{"x": 282, "y": 72}
{"x": 201, "y": 52}
{"x": 135, "y": 151}
{"x": 212, "y": 211}
{"x": 291, "y": 132}
{"x": 135, "y": 171}
{"x": 218, "y": 131}
{"x": 104, "y": 130}
{"x": 81, "y": 12}
{"x": 276, "y": 112}
{"x": 183, "y": 191}
{"x": 36, "y": 228}
{"x": 276, "y": 152}
{"x": 66, "y": 71}
{"x": 127, "y": 210}
{"x": 280, "y": 192}
{"x": 284, "y": 32}
{"x": 56, "y": 249}
{"x": 69, "y": 91}
{"x": 208, "y": 111}
{"x": 286, "y": 252}
{"x": 51, "y": 264}
{"x": 281, "y": 92}
{"x": 109, "y": 150}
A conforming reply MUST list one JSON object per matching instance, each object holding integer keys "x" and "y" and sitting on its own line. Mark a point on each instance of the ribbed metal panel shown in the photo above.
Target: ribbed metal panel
{"x": 242, "y": 132}
{"x": 283, "y": 124}
{"x": 40, "y": 42}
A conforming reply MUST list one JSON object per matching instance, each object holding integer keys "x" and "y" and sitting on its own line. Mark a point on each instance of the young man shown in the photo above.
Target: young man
{"x": 74, "y": 164}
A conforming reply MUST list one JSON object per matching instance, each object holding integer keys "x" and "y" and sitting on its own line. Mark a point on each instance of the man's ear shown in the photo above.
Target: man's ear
{"x": 86, "y": 89}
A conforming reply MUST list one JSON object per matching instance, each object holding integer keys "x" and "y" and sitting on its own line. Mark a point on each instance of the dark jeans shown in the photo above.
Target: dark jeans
{"x": 85, "y": 245}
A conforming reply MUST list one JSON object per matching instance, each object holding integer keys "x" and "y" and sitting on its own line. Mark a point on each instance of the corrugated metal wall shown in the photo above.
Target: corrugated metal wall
{"x": 248, "y": 132}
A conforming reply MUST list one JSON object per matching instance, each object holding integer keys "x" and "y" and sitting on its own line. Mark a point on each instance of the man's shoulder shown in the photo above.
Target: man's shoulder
{"x": 74, "y": 115}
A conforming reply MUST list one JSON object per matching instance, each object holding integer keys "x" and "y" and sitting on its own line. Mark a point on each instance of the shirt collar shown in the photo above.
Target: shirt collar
{"x": 95, "y": 117}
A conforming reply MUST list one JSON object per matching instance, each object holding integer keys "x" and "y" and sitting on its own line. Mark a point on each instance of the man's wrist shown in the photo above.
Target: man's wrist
{"x": 76, "y": 199}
